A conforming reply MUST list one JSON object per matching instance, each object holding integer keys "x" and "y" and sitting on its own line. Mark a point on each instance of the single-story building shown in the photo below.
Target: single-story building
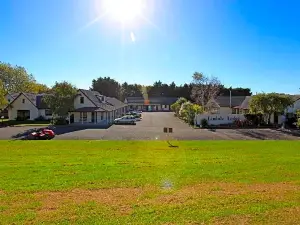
{"x": 150, "y": 104}
{"x": 228, "y": 105}
{"x": 224, "y": 109}
{"x": 94, "y": 108}
{"x": 28, "y": 106}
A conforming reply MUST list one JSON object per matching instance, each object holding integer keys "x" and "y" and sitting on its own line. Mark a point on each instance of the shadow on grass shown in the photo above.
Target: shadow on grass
{"x": 273, "y": 134}
{"x": 295, "y": 133}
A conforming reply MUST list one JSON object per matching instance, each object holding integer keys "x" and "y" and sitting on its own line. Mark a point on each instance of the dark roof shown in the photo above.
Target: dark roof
{"x": 295, "y": 97}
{"x": 115, "y": 102}
{"x": 14, "y": 95}
{"x": 35, "y": 99}
{"x": 89, "y": 109}
{"x": 224, "y": 101}
{"x": 108, "y": 105}
{"x": 152, "y": 100}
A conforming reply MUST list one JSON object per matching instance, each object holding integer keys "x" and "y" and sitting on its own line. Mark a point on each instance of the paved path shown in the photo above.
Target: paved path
{"x": 151, "y": 128}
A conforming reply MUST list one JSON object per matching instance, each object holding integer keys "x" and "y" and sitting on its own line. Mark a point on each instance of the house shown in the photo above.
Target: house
{"x": 9, "y": 97}
{"x": 296, "y": 105}
{"x": 228, "y": 105}
{"x": 27, "y": 106}
{"x": 94, "y": 108}
{"x": 150, "y": 104}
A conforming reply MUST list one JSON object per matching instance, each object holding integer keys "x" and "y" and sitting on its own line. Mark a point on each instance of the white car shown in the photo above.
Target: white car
{"x": 125, "y": 120}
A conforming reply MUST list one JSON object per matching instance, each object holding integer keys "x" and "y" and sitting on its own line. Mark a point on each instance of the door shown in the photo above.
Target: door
{"x": 93, "y": 117}
{"x": 72, "y": 118}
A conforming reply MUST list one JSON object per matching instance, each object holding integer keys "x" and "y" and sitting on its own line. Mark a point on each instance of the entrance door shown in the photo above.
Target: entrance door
{"x": 93, "y": 117}
{"x": 72, "y": 118}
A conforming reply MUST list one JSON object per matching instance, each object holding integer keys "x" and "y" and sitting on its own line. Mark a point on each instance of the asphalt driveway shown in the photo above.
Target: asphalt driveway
{"x": 151, "y": 128}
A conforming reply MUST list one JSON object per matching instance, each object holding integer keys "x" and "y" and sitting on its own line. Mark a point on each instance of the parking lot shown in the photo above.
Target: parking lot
{"x": 151, "y": 128}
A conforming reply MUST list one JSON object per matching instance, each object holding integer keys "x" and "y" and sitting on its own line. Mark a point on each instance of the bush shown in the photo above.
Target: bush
{"x": 254, "y": 119}
{"x": 60, "y": 121}
{"x": 20, "y": 118}
{"x": 204, "y": 123}
{"x": 40, "y": 118}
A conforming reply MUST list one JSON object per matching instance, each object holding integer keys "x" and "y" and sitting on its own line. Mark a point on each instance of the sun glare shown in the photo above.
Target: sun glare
{"x": 124, "y": 11}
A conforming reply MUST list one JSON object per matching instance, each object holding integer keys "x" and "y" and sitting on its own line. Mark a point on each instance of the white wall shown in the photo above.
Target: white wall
{"x": 294, "y": 108}
{"x": 43, "y": 114}
{"x": 225, "y": 110}
{"x": 165, "y": 107}
{"x": 217, "y": 119}
{"x": 87, "y": 102}
{"x": 18, "y": 105}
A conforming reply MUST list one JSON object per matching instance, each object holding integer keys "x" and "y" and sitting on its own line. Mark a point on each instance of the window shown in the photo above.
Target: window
{"x": 101, "y": 115}
{"x": 9, "y": 100}
{"x": 23, "y": 100}
{"x": 48, "y": 112}
{"x": 83, "y": 116}
{"x": 81, "y": 100}
{"x": 234, "y": 111}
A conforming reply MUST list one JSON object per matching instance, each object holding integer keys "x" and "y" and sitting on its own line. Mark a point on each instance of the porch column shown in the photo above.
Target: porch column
{"x": 81, "y": 117}
{"x": 69, "y": 118}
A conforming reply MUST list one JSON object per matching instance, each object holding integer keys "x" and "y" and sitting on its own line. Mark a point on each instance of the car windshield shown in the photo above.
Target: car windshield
{"x": 149, "y": 112}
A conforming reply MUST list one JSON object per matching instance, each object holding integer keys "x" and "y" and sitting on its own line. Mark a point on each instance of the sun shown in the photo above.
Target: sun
{"x": 125, "y": 11}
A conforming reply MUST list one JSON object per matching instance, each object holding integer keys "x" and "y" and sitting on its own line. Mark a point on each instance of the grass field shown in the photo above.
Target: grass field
{"x": 144, "y": 182}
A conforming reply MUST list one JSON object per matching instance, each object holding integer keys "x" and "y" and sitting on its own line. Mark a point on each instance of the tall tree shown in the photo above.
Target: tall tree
{"x": 3, "y": 100}
{"x": 61, "y": 99}
{"x": 268, "y": 104}
{"x": 15, "y": 78}
{"x": 107, "y": 86}
{"x": 204, "y": 88}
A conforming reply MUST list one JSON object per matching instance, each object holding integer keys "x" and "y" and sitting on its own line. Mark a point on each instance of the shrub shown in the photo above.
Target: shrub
{"x": 20, "y": 118}
{"x": 204, "y": 123}
{"x": 60, "y": 121}
{"x": 255, "y": 119}
{"x": 40, "y": 118}
{"x": 298, "y": 118}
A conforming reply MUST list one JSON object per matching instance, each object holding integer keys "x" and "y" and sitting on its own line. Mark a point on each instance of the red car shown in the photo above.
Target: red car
{"x": 44, "y": 134}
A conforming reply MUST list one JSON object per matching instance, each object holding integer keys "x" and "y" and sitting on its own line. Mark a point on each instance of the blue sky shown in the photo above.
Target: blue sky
{"x": 247, "y": 43}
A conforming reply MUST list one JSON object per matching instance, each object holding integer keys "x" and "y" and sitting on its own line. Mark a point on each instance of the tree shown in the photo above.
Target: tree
{"x": 38, "y": 88}
{"x": 177, "y": 105}
{"x": 3, "y": 100}
{"x": 298, "y": 118}
{"x": 108, "y": 87}
{"x": 15, "y": 78}
{"x": 269, "y": 104}
{"x": 204, "y": 88}
{"x": 189, "y": 110}
{"x": 61, "y": 99}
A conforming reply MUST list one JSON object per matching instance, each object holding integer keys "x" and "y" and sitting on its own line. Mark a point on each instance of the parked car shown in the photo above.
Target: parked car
{"x": 136, "y": 115}
{"x": 128, "y": 119}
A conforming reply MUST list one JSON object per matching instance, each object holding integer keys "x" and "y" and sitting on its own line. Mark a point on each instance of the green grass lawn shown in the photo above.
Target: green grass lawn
{"x": 146, "y": 182}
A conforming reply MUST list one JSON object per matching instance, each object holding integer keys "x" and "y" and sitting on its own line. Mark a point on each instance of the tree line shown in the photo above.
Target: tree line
{"x": 110, "y": 87}
{"x": 14, "y": 79}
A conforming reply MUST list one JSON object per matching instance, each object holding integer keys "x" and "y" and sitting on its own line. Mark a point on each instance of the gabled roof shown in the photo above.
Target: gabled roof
{"x": 34, "y": 99}
{"x": 152, "y": 100}
{"x": 115, "y": 102}
{"x": 108, "y": 105}
{"x": 224, "y": 101}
